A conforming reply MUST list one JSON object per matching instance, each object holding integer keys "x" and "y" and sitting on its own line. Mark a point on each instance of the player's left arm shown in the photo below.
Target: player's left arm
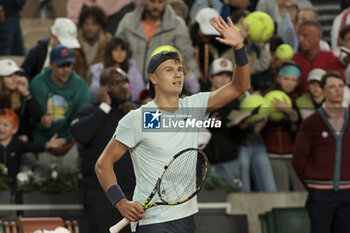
{"x": 112, "y": 153}
{"x": 241, "y": 79}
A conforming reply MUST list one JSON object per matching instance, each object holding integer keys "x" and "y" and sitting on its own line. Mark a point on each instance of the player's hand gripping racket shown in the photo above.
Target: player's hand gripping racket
{"x": 182, "y": 178}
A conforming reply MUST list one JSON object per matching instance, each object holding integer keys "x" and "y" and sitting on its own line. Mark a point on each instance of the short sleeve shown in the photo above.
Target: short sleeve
{"x": 198, "y": 103}
{"x": 128, "y": 130}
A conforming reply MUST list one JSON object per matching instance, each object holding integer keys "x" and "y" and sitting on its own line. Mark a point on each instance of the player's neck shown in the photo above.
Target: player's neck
{"x": 167, "y": 103}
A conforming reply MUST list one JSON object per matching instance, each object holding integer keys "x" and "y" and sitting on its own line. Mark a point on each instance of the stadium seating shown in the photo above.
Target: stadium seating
{"x": 285, "y": 220}
{"x": 17, "y": 59}
{"x": 34, "y": 29}
{"x": 29, "y": 225}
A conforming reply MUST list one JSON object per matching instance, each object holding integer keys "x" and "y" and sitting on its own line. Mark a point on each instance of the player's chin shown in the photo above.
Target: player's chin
{"x": 178, "y": 90}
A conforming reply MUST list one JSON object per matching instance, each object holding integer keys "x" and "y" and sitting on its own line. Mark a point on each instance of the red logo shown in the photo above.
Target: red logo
{"x": 223, "y": 63}
{"x": 64, "y": 53}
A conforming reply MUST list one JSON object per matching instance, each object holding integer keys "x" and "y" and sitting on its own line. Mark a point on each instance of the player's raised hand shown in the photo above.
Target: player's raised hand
{"x": 231, "y": 36}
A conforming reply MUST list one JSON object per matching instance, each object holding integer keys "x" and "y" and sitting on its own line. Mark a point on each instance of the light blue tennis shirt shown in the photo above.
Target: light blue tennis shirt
{"x": 152, "y": 150}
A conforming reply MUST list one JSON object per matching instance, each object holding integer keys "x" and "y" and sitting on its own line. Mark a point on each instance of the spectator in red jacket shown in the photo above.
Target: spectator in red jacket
{"x": 311, "y": 56}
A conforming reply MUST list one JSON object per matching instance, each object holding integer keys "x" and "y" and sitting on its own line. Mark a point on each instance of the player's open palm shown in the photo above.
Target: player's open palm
{"x": 231, "y": 36}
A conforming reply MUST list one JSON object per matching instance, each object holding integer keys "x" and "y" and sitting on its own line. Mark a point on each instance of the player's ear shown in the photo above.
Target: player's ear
{"x": 153, "y": 79}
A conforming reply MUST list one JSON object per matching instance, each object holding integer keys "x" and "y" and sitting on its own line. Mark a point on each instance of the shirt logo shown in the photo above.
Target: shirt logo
{"x": 152, "y": 119}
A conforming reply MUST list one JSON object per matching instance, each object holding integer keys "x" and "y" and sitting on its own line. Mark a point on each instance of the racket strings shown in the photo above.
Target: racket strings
{"x": 183, "y": 177}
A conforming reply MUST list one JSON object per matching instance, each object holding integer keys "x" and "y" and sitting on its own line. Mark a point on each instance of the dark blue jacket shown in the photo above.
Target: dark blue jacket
{"x": 11, "y": 155}
{"x": 93, "y": 129}
{"x": 34, "y": 61}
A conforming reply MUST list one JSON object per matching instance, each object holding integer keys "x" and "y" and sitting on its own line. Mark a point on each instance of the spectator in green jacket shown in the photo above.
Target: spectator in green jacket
{"x": 60, "y": 93}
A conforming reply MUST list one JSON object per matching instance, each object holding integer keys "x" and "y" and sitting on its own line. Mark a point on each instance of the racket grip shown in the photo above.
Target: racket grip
{"x": 119, "y": 226}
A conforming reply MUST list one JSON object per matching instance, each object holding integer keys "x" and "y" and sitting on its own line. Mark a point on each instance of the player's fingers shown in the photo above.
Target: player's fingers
{"x": 139, "y": 208}
{"x": 223, "y": 41}
{"x": 131, "y": 217}
{"x": 222, "y": 21}
{"x": 215, "y": 24}
{"x": 230, "y": 23}
{"x": 135, "y": 214}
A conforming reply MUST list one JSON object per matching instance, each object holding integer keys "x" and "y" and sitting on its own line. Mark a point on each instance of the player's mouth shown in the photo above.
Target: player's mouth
{"x": 178, "y": 83}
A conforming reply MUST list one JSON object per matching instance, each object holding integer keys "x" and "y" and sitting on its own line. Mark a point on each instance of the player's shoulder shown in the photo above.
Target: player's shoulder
{"x": 136, "y": 114}
{"x": 132, "y": 115}
{"x": 196, "y": 100}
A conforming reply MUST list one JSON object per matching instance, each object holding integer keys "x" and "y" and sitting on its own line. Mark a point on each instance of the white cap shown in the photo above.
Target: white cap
{"x": 316, "y": 74}
{"x": 220, "y": 65}
{"x": 204, "y": 17}
{"x": 66, "y": 32}
{"x": 8, "y": 67}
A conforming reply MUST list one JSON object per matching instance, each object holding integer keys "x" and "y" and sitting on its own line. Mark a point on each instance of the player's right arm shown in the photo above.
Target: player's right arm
{"x": 106, "y": 176}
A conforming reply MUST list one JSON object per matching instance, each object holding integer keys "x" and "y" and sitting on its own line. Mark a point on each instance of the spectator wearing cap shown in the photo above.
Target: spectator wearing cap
{"x": 60, "y": 93}
{"x": 221, "y": 72}
{"x": 11, "y": 147}
{"x": 151, "y": 25}
{"x": 64, "y": 32}
{"x": 222, "y": 148}
{"x": 321, "y": 160}
{"x": 14, "y": 94}
{"x": 201, "y": 4}
{"x": 238, "y": 150}
{"x": 93, "y": 126}
{"x": 313, "y": 99}
{"x": 206, "y": 47}
{"x": 10, "y": 30}
{"x": 93, "y": 40}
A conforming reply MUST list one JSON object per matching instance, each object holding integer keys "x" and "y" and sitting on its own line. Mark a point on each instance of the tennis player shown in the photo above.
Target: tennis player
{"x": 150, "y": 151}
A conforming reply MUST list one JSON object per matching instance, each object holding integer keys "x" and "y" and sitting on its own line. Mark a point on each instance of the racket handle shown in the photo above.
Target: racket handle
{"x": 119, "y": 226}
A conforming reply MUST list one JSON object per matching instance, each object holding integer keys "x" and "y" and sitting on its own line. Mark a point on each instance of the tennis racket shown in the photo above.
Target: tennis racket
{"x": 182, "y": 178}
